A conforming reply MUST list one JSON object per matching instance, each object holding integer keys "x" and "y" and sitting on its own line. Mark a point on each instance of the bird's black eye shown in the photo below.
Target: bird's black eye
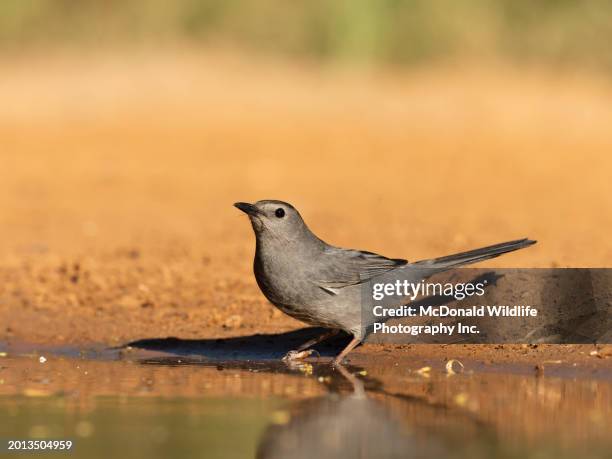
{"x": 280, "y": 212}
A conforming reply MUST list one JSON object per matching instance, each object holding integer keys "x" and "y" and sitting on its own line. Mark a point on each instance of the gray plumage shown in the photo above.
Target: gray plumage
{"x": 320, "y": 284}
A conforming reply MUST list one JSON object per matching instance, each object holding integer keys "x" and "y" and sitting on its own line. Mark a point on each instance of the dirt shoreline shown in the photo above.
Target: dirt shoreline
{"x": 551, "y": 360}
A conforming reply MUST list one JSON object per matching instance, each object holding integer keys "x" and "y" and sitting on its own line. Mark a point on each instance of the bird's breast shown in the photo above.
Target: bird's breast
{"x": 280, "y": 281}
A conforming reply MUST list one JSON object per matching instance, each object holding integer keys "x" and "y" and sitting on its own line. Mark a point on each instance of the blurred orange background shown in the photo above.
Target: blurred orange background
{"x": 154, "y": 147}
{"x": 118, "y": 146}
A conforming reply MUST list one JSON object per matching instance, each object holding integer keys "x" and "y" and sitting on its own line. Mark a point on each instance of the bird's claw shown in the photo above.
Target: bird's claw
{"x": 293, "y": 356}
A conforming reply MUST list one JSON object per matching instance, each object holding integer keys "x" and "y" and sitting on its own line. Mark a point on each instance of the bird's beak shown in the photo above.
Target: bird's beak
{"x": 248, "y": 209}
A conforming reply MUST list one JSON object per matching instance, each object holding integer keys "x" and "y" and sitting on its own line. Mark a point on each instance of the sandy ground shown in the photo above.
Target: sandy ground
{"x": 118, "y": 173}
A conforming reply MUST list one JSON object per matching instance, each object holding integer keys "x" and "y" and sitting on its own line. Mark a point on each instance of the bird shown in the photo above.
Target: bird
{"x": 320, "y": 284}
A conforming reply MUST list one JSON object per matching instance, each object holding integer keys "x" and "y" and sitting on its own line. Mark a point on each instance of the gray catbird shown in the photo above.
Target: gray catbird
{"x": 320, "y": 284}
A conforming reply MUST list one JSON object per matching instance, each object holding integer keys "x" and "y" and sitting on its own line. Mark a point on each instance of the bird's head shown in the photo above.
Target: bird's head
{"x": 274, "y": 219}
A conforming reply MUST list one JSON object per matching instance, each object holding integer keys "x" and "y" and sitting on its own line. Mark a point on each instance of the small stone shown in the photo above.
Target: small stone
{"x": 233, "y": 321}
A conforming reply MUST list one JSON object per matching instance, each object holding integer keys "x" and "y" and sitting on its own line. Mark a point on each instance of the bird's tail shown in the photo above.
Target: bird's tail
{"x": 476, "y": 255}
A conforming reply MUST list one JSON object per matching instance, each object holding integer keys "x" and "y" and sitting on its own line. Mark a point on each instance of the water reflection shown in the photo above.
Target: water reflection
{"x": 366, "y": 421}
{"x": 345, "y": 426}
{"x": 355, "y": 417}
{"x": 266, "y": 409}
{"x": 385, "y": 412}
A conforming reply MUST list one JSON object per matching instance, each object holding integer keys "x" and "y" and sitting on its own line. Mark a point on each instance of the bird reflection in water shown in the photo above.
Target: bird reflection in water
{"x": 354, "y": 425}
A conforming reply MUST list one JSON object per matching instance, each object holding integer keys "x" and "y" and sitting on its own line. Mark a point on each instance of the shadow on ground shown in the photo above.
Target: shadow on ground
{"x": 268, "y": 346}
{"x": 250, "y": 347}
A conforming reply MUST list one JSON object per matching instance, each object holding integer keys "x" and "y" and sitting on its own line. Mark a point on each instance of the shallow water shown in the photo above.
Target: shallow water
{"x": 152, "y": 404}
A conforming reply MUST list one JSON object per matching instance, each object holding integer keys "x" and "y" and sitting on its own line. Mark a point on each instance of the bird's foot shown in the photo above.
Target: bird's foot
{"x": 294, "y": 356}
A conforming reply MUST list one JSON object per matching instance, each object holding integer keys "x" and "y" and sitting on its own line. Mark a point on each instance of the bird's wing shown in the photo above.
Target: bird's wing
{"x": 338, "y": 268}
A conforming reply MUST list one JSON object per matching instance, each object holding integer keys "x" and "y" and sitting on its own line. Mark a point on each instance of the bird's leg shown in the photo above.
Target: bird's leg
{"x": 318, "y": 339}
{"x": 304, "y": 350}
{"x": 354, "y": 342}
